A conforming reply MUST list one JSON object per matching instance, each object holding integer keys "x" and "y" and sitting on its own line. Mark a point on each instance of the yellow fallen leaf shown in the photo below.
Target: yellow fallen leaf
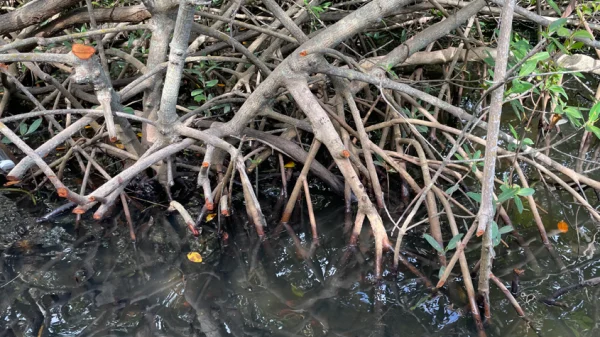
{"x": 120, "y": 146}
{"x": 210, "y": 216}
{"x": 297, "y": 291}
{"x": 290, "y": 164}
{"x": 194, "y": 257}
{"x": 139, "y": 134}
{"x": 563, "y": 226}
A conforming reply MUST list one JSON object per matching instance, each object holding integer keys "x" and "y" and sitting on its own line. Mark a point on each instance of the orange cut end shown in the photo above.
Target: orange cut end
{"x": 62, "y": 192}
{"x": 303, "y": 53}
{"x": 440, "y": 284}
{"x": 83, "y": 51}
{"x": 225, "y": 212}
{"x": 78, "y": 211}
{"x": 346, "y": 154}
{"x": 205, "y": 164}
{"x": 97, "y": 216}
{"x": 480, "y": 232}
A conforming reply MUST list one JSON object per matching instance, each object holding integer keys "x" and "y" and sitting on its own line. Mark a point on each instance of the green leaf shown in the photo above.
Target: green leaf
{"x": 467, "y": 151}
{"x": 555, "y": 25}
{"x": 541, "y": 56}
{"x": 594, "y": 129}
{"x": 128, "y": 110}
{"x": 433, "y": 243}
{"x": 505, "y": 229}
{"x": 557, "y": 89}
{"x": 527, "y": 68}
{"x": 520, "y": 48}
{"x": 22, "y": 129}
{"x": 508, "y": 194}
{"x": 519, "y": 204}
{"x": 452, "y": 189}
{"x": 559, "y": 45}
{"x": 490, "y": 61}
{"x": 594, "y": 113}
{"x": 527, "y": 141}
{"x": 517, "y": 108}
{"x": 525, "y": 192}
{"x": 519, "y": 87}
{"x": 573, "y": 112}
{"x": 211, "y": 83}
{"x": 495, "y": 234}
{"x": 513, "y": 131}
{"x": 197, "y": 92}
{"x": 421, "y": 128}
{"x": 34, "y": 126}
{"x": 577, "y": 45}
{"x": 6, "y": 140}
{"x": 495, "y": 231}
{"x": 582, "y": 34}
{"x": 475, "y": 196}
{"x": 454, "y": 241}
{"x": 563, "y": 32}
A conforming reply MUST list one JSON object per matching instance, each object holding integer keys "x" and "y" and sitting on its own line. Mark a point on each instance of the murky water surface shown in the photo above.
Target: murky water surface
{"x": 92, "y": 281}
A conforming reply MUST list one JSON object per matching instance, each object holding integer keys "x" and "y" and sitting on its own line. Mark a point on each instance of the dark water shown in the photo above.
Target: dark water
{"x": 59, "y": 281}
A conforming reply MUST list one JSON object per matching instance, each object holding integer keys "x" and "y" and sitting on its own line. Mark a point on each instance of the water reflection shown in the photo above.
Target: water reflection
{"x": 57, "y": 281}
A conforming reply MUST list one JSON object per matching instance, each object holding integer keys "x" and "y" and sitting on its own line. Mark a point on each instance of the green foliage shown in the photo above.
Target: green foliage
{"x": 475, "y": 157}
{"x": 128, "y": 110}
{"x": 452, "y": 244}
{"x": 433, "y": 243}
{"x": 317, "y": 10}
{"x": 508, "y": 192}
{"x": 498, "y": 232}
{"x": 200, "y": 71}
{"x": 475, "y": 196}
{"x": 521, "y": 142}
{"x": 540, "y": 75}
{"x": 588, "y": 9}
{"x": 593, "y": 117}
{"x": 514, "y": 192}
{"x": 454, "y": 241}
{"x": 25, "y": 130}
{"x": 381, "y": 162}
